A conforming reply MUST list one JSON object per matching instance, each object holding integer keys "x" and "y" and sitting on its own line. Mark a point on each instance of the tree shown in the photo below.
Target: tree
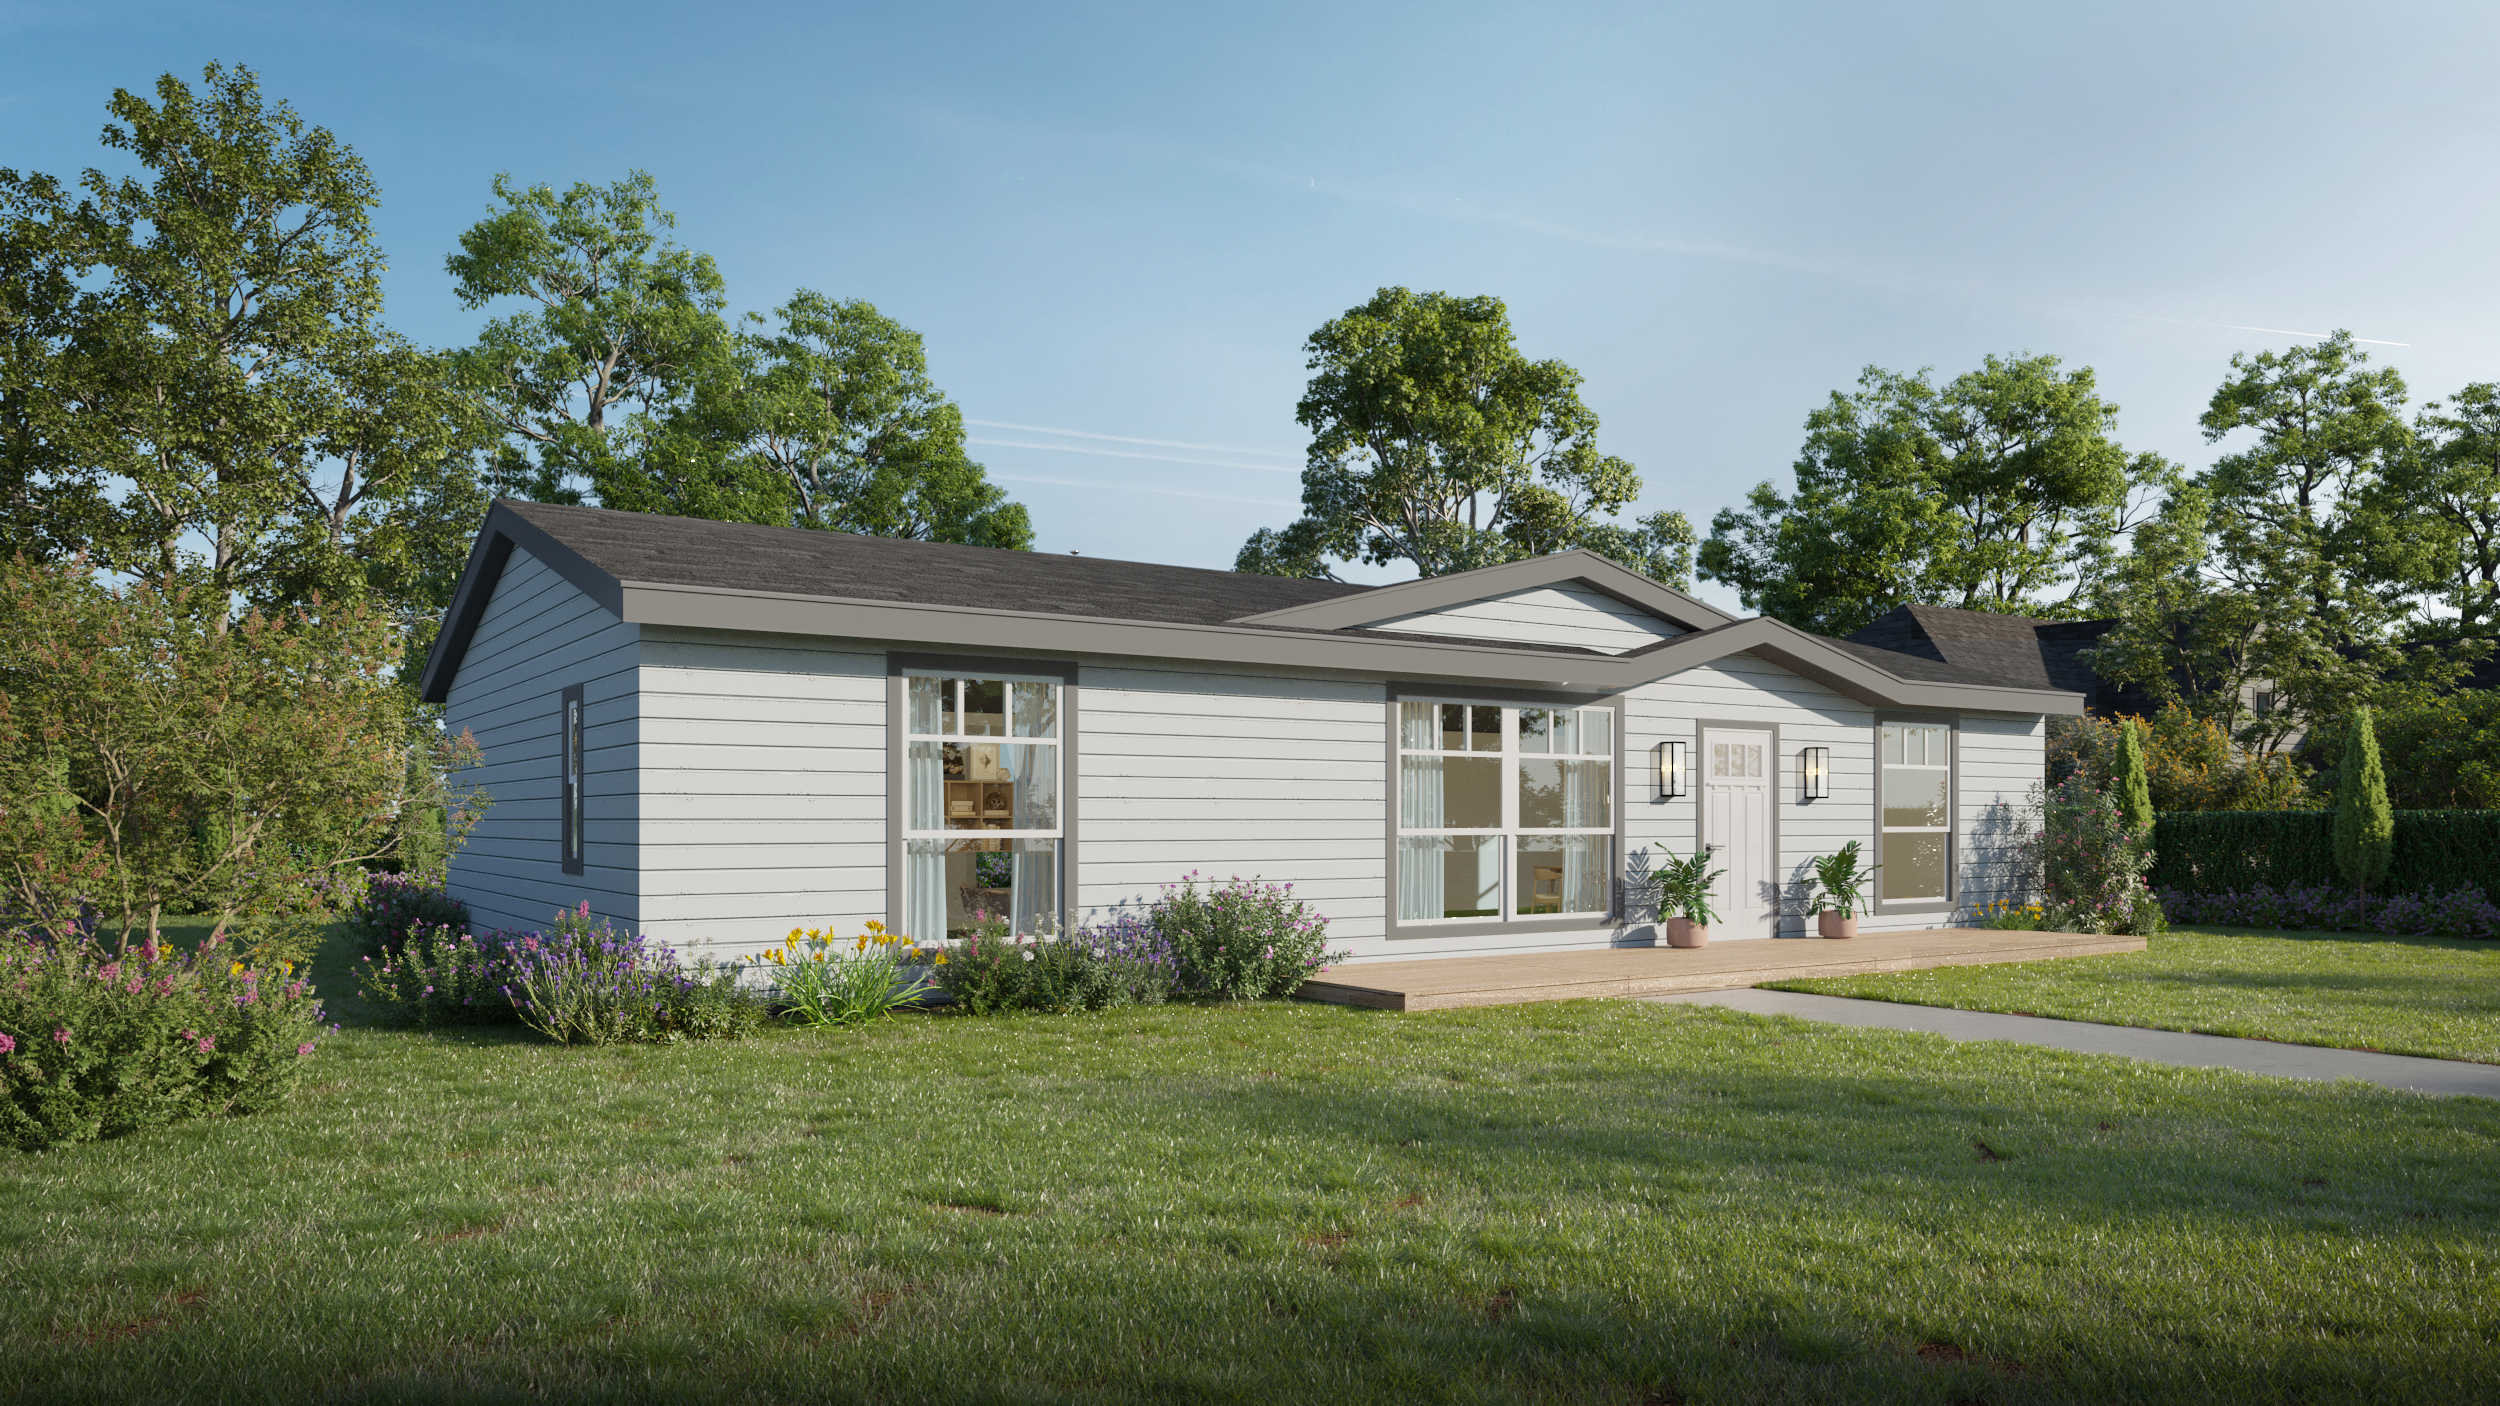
{"x": 196, "y": 365}
{"x": 2001, "y": 490}
{"x": 2181, "y": 636}
{"x": 840, "y": 406}
{"x": 2135, "y": 793}
{"x": 155, "y": 753}
{"x": 1435, "y": 442}
{"x": 2433, "y": 514}
{"x": 2294, "y": 534}
{"x": 2365, "y": 828}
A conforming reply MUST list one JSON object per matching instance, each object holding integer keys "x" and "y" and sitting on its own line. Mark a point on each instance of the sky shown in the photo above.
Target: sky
{"x": 1116, "y": 225}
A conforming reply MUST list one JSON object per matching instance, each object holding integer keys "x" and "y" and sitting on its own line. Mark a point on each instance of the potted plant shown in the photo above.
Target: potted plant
{"x": 1684, "y": 891}
{"x": 1841, "y": 880}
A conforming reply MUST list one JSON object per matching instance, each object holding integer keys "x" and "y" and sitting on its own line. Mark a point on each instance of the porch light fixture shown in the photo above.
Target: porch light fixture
{"x": 1814, "y": 772}
{"x": 1670, "y": 770}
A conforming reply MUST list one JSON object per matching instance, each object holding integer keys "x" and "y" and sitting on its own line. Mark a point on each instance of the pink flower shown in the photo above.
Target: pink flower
{"x": 132, "y": 986}
{"x": 304, "y": 1048}
{"x": 207, "y": 1043}
{"x": 8, "y": 1043}
{"x": 61, "y": 1036}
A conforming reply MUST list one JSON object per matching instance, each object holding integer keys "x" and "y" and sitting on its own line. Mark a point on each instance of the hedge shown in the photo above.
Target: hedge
{"x": 2437, "y": 851}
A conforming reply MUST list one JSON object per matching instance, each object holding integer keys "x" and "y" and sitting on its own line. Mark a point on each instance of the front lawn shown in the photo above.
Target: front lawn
{"x": 1588, "y": 1202}
{"x": 2431, "y": 996}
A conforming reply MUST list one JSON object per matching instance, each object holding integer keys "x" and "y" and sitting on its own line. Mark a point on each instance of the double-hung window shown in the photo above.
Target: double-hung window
{"x": 1504, "y": 813}
{"x": 982, "y": 784}
{"x": 1917, "y": 840}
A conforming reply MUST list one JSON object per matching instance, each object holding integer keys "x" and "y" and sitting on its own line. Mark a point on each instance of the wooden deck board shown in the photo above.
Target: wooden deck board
{"x": 1444, "y": 982}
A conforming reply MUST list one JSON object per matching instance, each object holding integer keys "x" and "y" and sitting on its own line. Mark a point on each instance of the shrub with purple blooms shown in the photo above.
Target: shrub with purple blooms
{"x": 99, "y": 1040}
{"x": 578, "y": 980}
{"x": 1121, "y": 962}
{"x": 393, "y": 908}
{"x": 2462, "y": 912}
{"x": 439, "y": 975}
{"x": 1241, "y": 940}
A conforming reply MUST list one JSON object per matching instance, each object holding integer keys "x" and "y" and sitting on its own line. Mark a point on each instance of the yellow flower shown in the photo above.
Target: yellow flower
{"x": 941, "y": 959}
{"x": 875, "y": 926}
{"x": 794, "y": 934}
{"x": 861, "y": 945}
{"x": 235, "y": 970}
{"x": 820, "y": 956}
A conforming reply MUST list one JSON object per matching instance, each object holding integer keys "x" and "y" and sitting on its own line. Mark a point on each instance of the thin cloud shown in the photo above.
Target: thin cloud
{"x": 1128, "y": 454}
{"x": 1141, "y": 488}
{"x": 1133, "y": 439}
{"x": 2238, "y": 327}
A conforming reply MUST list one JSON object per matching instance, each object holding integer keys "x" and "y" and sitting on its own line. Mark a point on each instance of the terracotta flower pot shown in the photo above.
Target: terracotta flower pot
{"x": 1684, "y": 932}
{"x": 1831, "y": 924}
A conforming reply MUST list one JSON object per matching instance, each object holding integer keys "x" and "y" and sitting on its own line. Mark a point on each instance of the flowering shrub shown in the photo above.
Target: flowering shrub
{"x": 2463, "y": 912}
{"x": 824, "y": 983}
{"x": 95, "y": 1042}
{"x": 2092, "y": 864}
{"x": 393, "y": 907}
{"x": 583, "y": 980}
{"x": 1241, "y": 940}
{"x": 439, "y": 975}
{"x": 1122, "y": 962}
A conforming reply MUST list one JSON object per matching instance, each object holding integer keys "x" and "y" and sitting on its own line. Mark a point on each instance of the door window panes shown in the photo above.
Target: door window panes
{"x": 1917, "y": 816}
{"x": 1504, "y": 812}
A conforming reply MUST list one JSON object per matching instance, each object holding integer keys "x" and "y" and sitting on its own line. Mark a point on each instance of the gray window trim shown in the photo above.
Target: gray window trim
{"x": 1606, "y": 924}
{"x": 1952, "y": 900}
{"x": 570, "y": 820}
{"x": 897, "y": 666}
{"x": 1780, "y": 802}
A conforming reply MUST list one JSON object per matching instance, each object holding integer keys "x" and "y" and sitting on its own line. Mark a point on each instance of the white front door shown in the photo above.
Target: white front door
{"x": 1738, "y": 770}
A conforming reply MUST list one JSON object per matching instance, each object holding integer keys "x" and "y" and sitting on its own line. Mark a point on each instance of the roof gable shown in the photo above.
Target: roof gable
{"x": 1568, "y": 614}
{"x": 1591, "y": 573}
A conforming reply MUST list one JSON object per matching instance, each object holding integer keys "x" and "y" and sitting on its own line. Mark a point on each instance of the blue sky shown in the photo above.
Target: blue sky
{"x": 1116, "y": 225}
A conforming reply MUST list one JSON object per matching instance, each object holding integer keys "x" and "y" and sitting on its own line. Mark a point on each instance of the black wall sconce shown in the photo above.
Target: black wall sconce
{"x": 1814, "y": 773}
{"x": 1671, "y": 775}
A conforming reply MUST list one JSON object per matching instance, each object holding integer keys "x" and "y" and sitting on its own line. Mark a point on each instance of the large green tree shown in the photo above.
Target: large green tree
{"x": 1435, "y": 442}
{"x": 194, "y": 370}
{"x": 1999, "y": 490}
{"x": 2433, "y": 515}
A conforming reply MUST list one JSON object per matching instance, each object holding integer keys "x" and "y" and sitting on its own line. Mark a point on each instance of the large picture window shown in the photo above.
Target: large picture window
{"x": 982, "y": 782}
{"x": 1917, "y": 794}
{"x": 1504, "y": 813}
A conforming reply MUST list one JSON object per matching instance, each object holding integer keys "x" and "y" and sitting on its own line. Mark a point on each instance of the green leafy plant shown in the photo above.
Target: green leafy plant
{"x": 2008, "y": 916}
{"x": 2365, "y": 828}
{"x": 97, "y": 1040}
{"x": 1123, "y": 961}
{"x": 1241, "y": 940}
{"x": 438, "y": 974}
{"x": 2092, "y": 864}
{"x": 1841, "y": 878}
{"x": 826, "y": 983}
{"x": 1684, "y": 887}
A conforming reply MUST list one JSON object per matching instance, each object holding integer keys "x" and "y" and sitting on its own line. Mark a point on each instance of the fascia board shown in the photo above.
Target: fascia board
{"x": 1438, "y": 592}
{"x": 503, "y": 531}
{"x": 714, "y": 608}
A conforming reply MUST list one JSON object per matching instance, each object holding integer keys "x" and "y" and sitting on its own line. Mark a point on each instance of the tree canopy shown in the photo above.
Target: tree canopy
{"x": 1435, "y": 442}
{"x": 194, "y": 370}
{"x": 2000, "y": 490}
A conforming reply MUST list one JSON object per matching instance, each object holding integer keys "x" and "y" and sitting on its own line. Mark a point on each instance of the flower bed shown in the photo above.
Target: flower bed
{"x": 2461, "y": 912}
{"x": 96, "y": 1042}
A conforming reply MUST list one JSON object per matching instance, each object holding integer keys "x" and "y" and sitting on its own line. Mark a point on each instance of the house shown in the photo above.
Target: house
{"x": 2025, "y": 650}
{"x": 713, "y": 732}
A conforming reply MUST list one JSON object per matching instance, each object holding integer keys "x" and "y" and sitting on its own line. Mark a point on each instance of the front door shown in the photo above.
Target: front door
{"x": 1737, "y": 773}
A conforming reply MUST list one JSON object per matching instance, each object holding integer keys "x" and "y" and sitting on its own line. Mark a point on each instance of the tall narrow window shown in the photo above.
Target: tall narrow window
{"x": 982, "y": 827}
{"x": 1504, "y": 812}
{"x": 570, "y": 786}
{"x": 1917, "y": 791}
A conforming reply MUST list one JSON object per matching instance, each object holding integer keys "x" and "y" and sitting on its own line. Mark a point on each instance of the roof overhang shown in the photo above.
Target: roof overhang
{"x": 1306, "y": 647}
{"x": 1583, "y": 568}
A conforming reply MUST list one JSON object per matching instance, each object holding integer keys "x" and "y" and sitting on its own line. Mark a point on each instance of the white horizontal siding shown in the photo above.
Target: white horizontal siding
{"x": 537, "y": 637}
{"x": 764, "y": 788}
{"x": 1565, "y": 614}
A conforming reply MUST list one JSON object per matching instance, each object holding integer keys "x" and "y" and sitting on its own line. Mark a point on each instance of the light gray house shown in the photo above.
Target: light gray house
{"x": 714, "y": 732}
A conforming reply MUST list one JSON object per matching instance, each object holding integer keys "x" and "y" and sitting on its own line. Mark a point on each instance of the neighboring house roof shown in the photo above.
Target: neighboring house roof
{"x": 2017, "y": 649}
{"x": 647, "y": 569}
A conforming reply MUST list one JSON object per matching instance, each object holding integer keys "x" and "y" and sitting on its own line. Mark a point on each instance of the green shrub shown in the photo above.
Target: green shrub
{"x": 96, "y": 1043}
{"x": 1122, "y": 962}
{"x": 2433, "y": 851}
{"x": 438, "y": 975}
{"x": 393, "y": 906}
{"x": 1241, "y": 940}
{"x": 2092, "y": 864}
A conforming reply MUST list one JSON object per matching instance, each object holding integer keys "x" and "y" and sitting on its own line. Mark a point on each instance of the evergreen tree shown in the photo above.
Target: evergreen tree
{"x": 2135, "y": 789}
{"x": 2365, "y": 828}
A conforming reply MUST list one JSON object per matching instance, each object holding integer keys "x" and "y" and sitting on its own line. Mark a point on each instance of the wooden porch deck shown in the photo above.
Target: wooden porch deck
{"x": 1428, "y": 984}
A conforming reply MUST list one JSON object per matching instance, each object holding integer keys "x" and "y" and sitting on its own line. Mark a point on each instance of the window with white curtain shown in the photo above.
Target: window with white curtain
{"x": 1504, "y": 813}
{"x": 1916, "y": 785}
{"x": 981, "y": 807}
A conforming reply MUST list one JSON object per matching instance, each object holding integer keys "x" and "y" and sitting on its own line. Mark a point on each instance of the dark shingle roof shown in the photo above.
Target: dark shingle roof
{"x": 2011, "y": 649}
{"x": 743, "y": 556}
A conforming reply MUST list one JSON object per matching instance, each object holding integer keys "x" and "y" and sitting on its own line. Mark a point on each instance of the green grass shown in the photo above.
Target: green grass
{"x": 2431, "y": 996}
{"x": 1585, "y": 1202}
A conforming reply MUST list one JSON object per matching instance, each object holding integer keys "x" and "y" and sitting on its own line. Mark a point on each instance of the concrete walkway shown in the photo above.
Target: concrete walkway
{"x": 2425, "y": 1076}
